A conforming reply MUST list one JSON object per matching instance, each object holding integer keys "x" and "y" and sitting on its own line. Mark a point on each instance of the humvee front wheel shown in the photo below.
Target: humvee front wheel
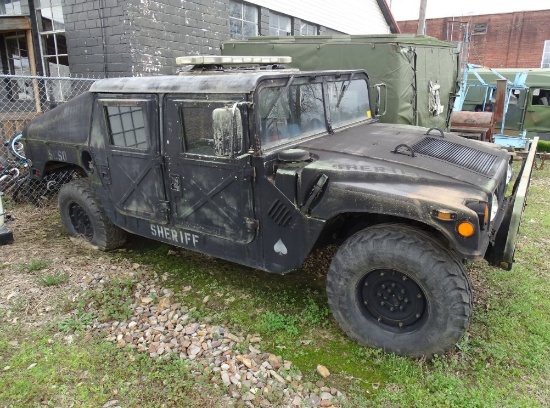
{"x": 83, "y": 216}
{"x": 395, "y": 287}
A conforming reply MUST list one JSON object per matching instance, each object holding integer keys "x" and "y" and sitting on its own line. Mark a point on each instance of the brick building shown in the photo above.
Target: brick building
{"x": 143, "y": 37}
{"x": 512, "y": 40}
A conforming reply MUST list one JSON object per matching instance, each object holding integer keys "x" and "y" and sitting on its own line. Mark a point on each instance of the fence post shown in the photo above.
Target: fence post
{"x": 36, "y": 92}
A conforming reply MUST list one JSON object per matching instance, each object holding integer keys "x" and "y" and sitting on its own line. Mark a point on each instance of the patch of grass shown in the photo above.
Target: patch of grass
{"x": 19, "y": 304}
{"x": 79, "y": 321}
{"x": 35, "y": 265}
{"x": 113, "y": 300}
{"x": 272, "y": 322}
{"x": 315, "y": 314}
{"x": 43, "y": 372}
{"x": 54, "y": 279}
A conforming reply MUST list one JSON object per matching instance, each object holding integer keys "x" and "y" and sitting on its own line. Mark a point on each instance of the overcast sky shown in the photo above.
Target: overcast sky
{"x": 408, "y": 9}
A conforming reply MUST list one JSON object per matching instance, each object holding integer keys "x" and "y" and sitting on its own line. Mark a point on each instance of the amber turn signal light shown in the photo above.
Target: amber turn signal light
{"x": 444, "y": 215}
{"x": 465, "y": 229}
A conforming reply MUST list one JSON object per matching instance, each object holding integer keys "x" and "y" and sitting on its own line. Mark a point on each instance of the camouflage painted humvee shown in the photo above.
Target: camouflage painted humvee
{"x": 260, "y": 166}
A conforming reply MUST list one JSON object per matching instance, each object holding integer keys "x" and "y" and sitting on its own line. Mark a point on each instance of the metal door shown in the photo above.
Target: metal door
{"x": 209, "y": 192}
{"x": 131, "y": 169}
{"x": 537, "y": 118}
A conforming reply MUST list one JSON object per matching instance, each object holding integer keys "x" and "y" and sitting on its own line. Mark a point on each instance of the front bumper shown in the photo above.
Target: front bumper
{"x": 501, "y": 252}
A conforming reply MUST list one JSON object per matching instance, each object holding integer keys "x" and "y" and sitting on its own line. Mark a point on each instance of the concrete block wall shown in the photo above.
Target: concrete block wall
{"x": 144, "y": 37}
{"x": 98, "y": 40}
{"x": 513, "y": 40}
{"x": 162, "y": 30}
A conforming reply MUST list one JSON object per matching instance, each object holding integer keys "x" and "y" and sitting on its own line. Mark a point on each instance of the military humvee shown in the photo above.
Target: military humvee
{"x": 260, "y": 166}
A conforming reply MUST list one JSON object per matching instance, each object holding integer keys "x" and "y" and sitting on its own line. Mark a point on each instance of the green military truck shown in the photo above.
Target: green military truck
{"x": 528, "y": 110}
{"x": 419, "y": 75}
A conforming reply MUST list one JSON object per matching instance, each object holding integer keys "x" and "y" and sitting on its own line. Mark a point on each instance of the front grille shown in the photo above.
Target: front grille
{"x": 463, "y": 156}
{"x": 280, "y": 214}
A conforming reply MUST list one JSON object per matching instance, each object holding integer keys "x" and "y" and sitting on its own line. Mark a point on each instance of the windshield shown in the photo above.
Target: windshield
{"x": 295, "y": 109}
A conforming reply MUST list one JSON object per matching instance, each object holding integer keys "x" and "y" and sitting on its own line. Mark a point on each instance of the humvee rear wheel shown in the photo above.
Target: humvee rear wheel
{"x": 395, "y": 287}
{"x": 83, "y": 216}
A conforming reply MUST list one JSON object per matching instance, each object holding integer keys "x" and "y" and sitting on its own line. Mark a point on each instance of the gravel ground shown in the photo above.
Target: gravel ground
{"x": 158, "y": 325}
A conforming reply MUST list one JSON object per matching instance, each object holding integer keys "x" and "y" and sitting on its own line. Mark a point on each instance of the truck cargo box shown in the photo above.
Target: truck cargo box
{"x": 421, "y": 72}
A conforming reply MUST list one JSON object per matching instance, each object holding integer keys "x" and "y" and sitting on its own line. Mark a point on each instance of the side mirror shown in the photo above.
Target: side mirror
{"x": 381, "y": 103}
{"x": 228, "y": 130}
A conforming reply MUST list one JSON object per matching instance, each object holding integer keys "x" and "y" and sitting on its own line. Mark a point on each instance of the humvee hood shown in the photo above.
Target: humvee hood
{"x": 410, "y": 150}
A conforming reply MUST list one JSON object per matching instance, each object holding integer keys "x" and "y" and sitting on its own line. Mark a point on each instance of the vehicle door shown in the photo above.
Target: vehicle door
{"x": 209, "y": 175}
{"x": 128, "y": 159}
{"x": 537, "y": 117}
{"x": 516, "y": 111}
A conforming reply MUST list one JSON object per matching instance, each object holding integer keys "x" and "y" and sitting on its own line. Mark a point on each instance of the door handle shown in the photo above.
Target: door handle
{"x": 105, "y": 173}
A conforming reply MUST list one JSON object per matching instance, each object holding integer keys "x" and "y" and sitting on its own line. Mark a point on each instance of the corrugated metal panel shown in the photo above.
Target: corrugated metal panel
{"x": 347, "y": 16}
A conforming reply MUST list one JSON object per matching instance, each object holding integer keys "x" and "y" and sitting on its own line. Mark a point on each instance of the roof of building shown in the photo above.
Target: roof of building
{"x": 388, "y": 16}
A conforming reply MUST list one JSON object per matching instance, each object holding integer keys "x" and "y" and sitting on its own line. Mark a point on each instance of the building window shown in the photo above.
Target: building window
{"x": 18, "y": 64}
{"x": 308, "y": 28}
{"x": 546, "y": 55}
{"x": 480, "y": 28}
{"x": 10, "y": 7}
{"x": 18, "y": 56}
{"x": 279, "y": 24}
{"x": 53, "y": 43}
{"x": 243, "y": 20}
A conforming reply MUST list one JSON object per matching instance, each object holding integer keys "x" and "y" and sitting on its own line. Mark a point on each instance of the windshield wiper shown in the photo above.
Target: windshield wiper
{"x": 344, "y": 89}
{"x": 279, "y": 94}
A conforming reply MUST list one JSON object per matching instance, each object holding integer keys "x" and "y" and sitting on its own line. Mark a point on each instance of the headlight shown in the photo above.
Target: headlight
{"x": 494, "y": 207}
{"x": 509, "y": 173}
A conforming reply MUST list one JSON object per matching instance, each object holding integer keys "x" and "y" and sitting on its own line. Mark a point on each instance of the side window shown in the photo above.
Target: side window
{"x": 541, "y": 97}
{"x": 207, "y": 127}
{"x": 127, "y": 126}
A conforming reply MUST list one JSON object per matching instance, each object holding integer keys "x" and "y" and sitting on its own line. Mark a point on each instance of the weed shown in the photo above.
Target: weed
{"x": 35, "y": 265}
{"x": 314, "y": 315}
{"x": 274, "y": 322}
{"x": 79, "y": 322}
{"x": 54, "y": 279}
{"x": 113, "y": 301}
{"x": 18, "y": 305}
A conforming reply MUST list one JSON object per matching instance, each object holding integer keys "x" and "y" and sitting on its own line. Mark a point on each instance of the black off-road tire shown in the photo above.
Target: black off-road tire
{"x": 83, "y": 216}
{"x": 397, "y": 288}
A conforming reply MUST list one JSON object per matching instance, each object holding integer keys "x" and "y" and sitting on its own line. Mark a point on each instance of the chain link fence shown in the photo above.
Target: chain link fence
{"x": 23, "y": 98}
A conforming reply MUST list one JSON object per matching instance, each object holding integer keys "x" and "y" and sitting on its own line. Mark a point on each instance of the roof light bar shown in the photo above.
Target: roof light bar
{"x": 228, "y": 60}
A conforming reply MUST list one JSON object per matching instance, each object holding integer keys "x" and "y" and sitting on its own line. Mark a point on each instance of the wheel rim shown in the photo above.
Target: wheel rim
{"x": 81, "y": 221}
{"x": 393, "y": 300}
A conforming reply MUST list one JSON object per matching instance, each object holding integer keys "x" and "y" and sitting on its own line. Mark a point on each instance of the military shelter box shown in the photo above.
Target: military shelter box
{"x": 421, "y": 73}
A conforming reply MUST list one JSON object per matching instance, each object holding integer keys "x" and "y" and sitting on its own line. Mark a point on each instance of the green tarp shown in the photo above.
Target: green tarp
{"x": 420, "y": 72}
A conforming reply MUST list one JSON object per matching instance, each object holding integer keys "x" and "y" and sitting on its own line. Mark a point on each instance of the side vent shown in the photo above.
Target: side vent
{"x": 463, "y": 156}
{"x": 280, "y": 214}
